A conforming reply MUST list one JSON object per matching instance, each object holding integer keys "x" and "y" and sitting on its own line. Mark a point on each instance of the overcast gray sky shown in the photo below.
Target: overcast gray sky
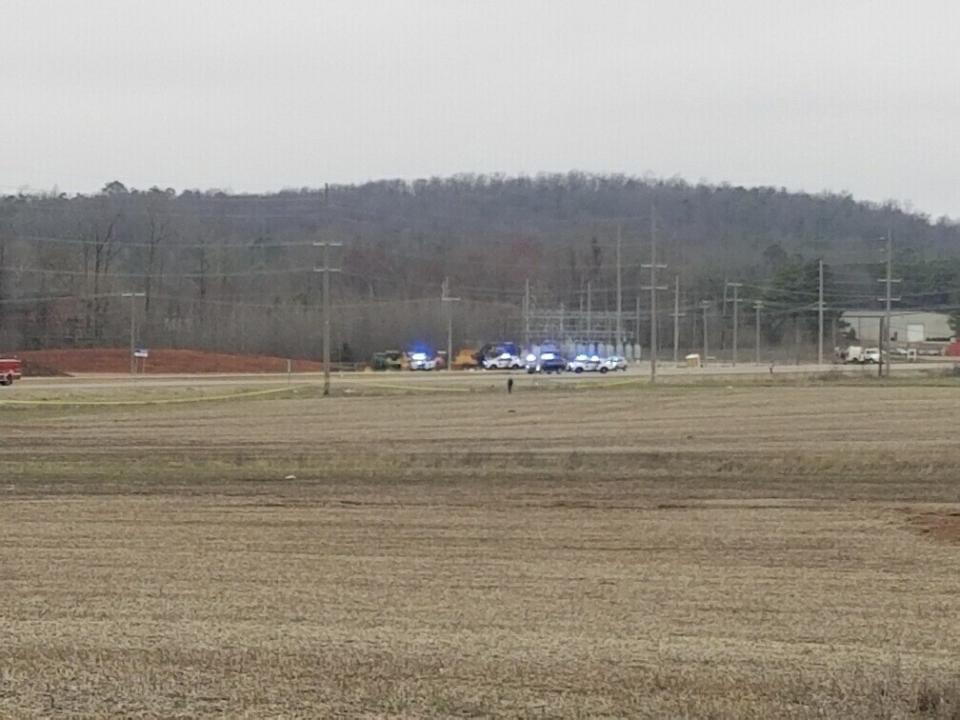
{"x": 860, "y": 96}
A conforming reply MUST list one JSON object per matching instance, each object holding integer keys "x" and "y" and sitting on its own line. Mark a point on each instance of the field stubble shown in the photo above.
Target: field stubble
{"x": 707, "y": 552}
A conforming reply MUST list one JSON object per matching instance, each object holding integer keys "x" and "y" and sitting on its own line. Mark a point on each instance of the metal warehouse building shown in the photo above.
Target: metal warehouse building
{"x": 905, "y": 327}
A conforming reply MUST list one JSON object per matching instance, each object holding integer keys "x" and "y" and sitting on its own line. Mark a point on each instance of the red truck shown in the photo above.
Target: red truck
{"x": 10, "y": 369}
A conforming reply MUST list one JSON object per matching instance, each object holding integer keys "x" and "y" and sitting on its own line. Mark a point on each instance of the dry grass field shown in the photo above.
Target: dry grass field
{"x": 723, "y": 552}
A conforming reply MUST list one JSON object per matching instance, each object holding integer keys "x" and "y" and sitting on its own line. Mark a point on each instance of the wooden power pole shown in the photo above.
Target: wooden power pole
{"x": 676, "y": 320}
{"x": 446, "y": 301}
{"x": 133, "y": 327}
{"x": 326, "y": 269}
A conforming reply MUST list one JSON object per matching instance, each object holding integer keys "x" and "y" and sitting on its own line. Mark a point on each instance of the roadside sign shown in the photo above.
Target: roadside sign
{"x": 141, "y": 353}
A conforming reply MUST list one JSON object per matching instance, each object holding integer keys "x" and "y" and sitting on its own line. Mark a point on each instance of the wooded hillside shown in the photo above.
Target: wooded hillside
{"x": 235, "y": 272}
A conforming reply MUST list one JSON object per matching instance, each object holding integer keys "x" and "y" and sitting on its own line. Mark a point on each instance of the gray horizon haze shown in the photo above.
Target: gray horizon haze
{"x": 860, "y": 97}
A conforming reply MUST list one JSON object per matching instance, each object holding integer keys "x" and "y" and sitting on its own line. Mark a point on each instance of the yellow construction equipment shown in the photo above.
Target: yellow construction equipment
{"x": 466, "y": 359}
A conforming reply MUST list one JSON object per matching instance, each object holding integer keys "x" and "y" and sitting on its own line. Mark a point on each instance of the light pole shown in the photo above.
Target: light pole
{"x": 133, "y": 327}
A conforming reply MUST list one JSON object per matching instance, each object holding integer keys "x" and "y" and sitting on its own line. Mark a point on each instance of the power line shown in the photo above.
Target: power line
{"x": 186, "y": 275}
{"x": 54, "y": 298}
{"x": 252, "y": 245}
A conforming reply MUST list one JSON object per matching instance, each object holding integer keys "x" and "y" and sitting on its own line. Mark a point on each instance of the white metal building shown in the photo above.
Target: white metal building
{"x": 905, "y": 327}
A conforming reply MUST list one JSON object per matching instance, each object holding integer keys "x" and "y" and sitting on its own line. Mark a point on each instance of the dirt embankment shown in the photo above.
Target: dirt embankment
{"x": 117, "y": 360}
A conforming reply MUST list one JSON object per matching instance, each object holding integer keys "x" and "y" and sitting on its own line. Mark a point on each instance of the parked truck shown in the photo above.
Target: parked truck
{"x": 10, "y": 369}
{"x": 389, "y": 360}
{"x": 860, "y": 355}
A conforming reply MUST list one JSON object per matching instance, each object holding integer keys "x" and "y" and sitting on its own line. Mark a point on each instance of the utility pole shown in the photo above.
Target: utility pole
{"x": 885, "y": 325}
{"x": 326, "y": 270}
{"x": 880, "y": 362}
{"x": 133, "y": 327}
{"x": 619, "y": 294}
{"x": 736, "y": 316}
{"x": 526, "y": 315}
{"x": 638, "y": 323}
{"x": 445, "y": 301}
{"x": 653, "y": 266}
{"x": 705, "y": 306}
{"x": 676, "y": 320}
{"x": 589, "y": 311}
{"x": 757, "y": 306}
{"x": 820, "y": 317}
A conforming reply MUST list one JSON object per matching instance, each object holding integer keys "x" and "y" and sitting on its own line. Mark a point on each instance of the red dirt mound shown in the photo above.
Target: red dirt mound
{"x": 33, "y": 369}
{"x": 117, "y": 360}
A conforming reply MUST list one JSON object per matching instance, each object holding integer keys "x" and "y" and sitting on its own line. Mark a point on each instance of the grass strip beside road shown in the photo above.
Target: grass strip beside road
{"x": 67, "y": 402}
